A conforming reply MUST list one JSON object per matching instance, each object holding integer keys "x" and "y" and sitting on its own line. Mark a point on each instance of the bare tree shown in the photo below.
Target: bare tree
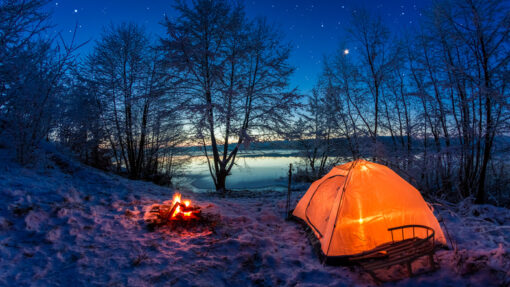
{"x": 373, "y": 37}
{"x": 341, "y": 76}
{"x": 128, "y": 76}
{"x": 236, "y": 72}
{"x": 315, "y": 131}
{"x": 32, "y": 74}
{"x": 480, "y": 30}
{"x": 80, "y": 125}
{"x": 441, "y": 96}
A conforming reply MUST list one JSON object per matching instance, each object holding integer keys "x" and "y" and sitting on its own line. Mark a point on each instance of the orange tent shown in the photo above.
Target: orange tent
{"x": 352, "y": 207}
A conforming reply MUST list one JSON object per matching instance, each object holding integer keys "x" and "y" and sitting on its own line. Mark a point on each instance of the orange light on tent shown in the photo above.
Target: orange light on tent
{"x": 375, "y": 198}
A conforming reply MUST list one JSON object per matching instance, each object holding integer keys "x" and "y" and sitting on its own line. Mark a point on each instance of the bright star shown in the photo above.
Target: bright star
{"x": 346, "y": 51}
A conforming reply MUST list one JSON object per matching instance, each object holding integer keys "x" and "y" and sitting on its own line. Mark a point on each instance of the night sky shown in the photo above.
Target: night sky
{"x": 315, "y": 28}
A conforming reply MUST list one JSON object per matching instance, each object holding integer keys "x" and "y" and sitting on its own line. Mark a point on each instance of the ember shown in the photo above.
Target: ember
{"x": 173, "y": 213}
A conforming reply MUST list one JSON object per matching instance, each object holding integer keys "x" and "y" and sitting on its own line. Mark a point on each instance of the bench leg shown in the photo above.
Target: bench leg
{"x": 374, "y": 276}
{"x": 409, "y": 269}
{"x": 432, "y": 262}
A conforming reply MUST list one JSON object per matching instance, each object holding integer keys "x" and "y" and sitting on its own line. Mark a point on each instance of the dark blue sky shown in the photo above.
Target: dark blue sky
{"x": 314, "y": 28}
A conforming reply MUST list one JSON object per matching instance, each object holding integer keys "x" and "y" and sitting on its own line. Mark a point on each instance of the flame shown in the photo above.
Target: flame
{"x": 177, "y": 198}
{"x": 177, "y": 211}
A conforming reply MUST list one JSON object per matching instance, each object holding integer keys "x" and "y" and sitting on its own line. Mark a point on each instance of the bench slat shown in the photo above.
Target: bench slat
{"x": 409, "y": 253}
{"x": 403, "y": 251}
{"x": 396, "y": 249}
{"x": 381, "y": 264}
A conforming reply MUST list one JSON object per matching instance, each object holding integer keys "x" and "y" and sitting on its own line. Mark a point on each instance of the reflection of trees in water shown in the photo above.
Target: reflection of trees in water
{"x": 251, "y": 172}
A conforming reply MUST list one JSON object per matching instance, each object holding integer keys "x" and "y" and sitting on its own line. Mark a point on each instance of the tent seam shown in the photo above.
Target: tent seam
{"x": 308, "y": 205}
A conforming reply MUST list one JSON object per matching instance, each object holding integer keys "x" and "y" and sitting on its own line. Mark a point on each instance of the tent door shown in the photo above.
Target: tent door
{"x": 319, "y": 207}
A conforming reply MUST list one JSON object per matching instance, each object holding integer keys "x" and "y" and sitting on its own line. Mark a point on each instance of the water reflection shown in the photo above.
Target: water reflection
{"x": 252, "y": 171}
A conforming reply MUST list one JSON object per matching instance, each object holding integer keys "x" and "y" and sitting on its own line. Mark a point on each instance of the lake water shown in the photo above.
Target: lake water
{"x": 254, "y": 171}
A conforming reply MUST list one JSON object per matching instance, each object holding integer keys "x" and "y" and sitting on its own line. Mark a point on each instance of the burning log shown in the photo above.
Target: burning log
{"x": 177, "y": 213}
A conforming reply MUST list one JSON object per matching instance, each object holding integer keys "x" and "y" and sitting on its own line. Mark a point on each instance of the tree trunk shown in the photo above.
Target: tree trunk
{"x": 221, "y": 179}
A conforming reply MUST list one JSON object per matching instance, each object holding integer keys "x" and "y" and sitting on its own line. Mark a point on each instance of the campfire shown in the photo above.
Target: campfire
{"x": 174, "y": 213}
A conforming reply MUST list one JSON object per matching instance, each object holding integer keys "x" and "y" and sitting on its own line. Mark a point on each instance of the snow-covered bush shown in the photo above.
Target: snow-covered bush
{"x": 31, "y": 71}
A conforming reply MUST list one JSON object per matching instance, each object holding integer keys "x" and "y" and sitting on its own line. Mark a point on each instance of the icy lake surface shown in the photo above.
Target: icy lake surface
{"x": 261, "y": 170}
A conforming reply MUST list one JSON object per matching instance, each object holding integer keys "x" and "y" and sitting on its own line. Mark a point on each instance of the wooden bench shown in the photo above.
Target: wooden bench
{"x": 403, "y": 251}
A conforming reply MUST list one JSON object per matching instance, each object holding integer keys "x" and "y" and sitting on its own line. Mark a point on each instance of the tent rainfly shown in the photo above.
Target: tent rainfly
{"x": 352, "y": 207}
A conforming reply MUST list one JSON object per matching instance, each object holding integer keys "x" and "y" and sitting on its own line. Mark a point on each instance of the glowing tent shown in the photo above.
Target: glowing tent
{"x": 352, "y": 207}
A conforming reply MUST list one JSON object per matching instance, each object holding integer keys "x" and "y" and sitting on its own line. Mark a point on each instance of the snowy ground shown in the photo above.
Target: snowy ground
{"x": 65, "y": 224}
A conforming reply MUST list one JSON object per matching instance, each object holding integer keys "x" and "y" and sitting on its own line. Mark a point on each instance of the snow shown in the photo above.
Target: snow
{"x": 62, "y": 223}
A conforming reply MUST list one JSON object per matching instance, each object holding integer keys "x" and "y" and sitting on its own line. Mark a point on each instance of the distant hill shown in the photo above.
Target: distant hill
{"x": 502, "y": 144}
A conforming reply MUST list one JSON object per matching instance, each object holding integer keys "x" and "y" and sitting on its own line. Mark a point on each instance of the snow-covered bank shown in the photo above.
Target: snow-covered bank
{"x": 67, "y": 224}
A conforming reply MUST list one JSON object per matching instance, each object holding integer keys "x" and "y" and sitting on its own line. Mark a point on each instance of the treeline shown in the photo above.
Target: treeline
{"x": 215, "y": 78}
{"x": 115, "y": 108}
{"x": 440, "y": 92}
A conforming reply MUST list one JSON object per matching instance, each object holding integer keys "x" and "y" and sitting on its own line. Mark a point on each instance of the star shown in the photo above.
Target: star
{"x": 75, "y": 10}
{"x": 346, "y": 52}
